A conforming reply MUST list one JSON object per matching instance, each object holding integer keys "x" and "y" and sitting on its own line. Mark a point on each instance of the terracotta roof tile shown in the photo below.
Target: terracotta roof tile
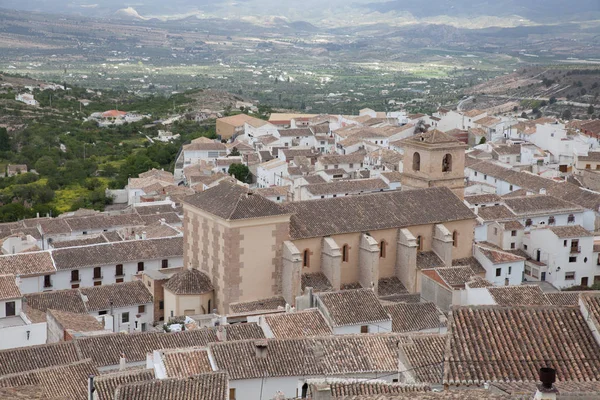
{"x": 106, "y": 384}
{"x": 189, "y": 281}
{"x": 390, "y": 287}
{"x": 456, "y": 276}
{"x": 483, "y": 199}
{"x": 563, "y": 298}
{"x": 413, "y": 317}
{"x": 69, "y": 381}
{"x": 424, "y": 355}
{"x": 524, "y": 295}
{"x": 272, "y": 303}
{"x": 121, "y": 294}
{"x": 498, "y": 256}
{"x": 232, "y": 202}
{"x": 22, "y": 359}
{"x": 27, "y": 264}
{"x": 394, "y": 209}
{"x": 317, "y": 280}
{"x": 105, "y": 350}
{"x": 329, "y": 355}
{"x": 181, "y": 363}
{"x": 298, "y": 324}
{"x": 495, "y": 213}
{"x": 352, "y": 307}
{"x": 343, "y": 388}
{"x": 117, "y": 253}
{"x": 9, "y": 288}
{"x": 213, "y": 386}
{"x": 511, "y": 344}
{"x": 570, "y": 231}
{"x": 63, "y": 300}
{"x": 76, "y": 322}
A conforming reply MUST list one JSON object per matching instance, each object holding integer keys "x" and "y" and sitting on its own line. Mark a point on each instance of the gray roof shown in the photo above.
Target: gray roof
{"x": 353, "y": 307}
{"x": 233, "y": 202}
{"x": 388, "y": 210}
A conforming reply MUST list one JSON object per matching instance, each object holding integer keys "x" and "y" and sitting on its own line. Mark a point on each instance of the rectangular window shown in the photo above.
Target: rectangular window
{"x": 97, "y": 283}
{"x": 140, "y": 266}
{"x": 119, "y": 270}
{"x": 75, "y": 286}
{"x": 525, "y": 247}
{"x": 232, "y": 394}
{"x": 103, "y": 312}
{"x": 119, "y": 280}
{"x": 569, "y": 276}
{"x": 509, "y": 269}
{"x": 513, "y": 233}
{"x": 125, "y": 317}
{"x": 161, "y": 305}
{"x": 565, "y": 242}
{"x": 10, "y": 308}
{"x": 75, "y": 275}
{"x": 364, "y": 329}
{"x": 144, "y": 328}
{"x": 47, "y": 281}
{"x": 572, "y": 259}
{"x": 165, "y": 264}
{"x": 498, "y": 271}
{"x": 513, "y": 245}
{"x": 97, "y": 272}
{"x": 141, "y": 309}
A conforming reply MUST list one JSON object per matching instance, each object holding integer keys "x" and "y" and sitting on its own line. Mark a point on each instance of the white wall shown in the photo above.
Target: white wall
{"x": 379, "y": 327}
{"x": 147, "y": 317}
{"x": 512, "y": 270}
{"x": 62, "y": 279}
{"x": 16, "y": 336}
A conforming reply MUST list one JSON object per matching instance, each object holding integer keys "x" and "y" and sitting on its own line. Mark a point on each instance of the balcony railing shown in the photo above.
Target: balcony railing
{"x": 575, "y": 249}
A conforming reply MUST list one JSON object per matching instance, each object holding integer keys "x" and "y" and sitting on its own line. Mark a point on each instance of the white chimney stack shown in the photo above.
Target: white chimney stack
{"x": 221, "y": 333}
{"x": 122, "y": 362}
{"x": 260, "y": 347}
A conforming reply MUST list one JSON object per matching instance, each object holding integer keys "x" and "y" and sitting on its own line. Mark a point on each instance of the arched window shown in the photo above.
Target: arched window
{"x": 345, "y": 253}
{"x": 306, "y": 258}
{"x": 455, "y": 238}
{"x": 447, "y": 163}
{"x": 419, "y": 243}
{"x": 382, "y": 249}
{"x": 416, "y": 162}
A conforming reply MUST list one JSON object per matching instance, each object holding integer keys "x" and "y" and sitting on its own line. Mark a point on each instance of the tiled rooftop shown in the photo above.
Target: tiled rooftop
{"x": 67, "y": 381}
{"x": 21, "y": 359}
{"x": 180, "y": 363}
{"x": 352, "y": 307}
{"x": 259, "y": 305}
{"x": 117, "y": 253}
{"x": 298, "y": 324}
{"x": 213, "y": 386}
{"x": 106, "y": 384}
{"x": 413, "y": 317}
{"x": 524, "y": 295}
{"x": 511, "y": 344}
{"x": 9, "y": 288}
{"x": 189, "y": 282}
{"x": 395, "y": 209}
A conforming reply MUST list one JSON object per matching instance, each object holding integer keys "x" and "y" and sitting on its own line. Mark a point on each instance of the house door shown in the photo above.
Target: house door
{"x": 584, "y": 281}
{"x": 543, "y": 278}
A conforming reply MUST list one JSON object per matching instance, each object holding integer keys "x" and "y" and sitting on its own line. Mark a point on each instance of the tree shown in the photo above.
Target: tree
{"x": 4, "y": 140}
{"x": 590, "y": 110}
{"x": 523, "y": 114}
{"x": 482, "y": 140}
{"x": 567, "y": 114}
{"x": 239, "y": 172}
{"x": 234, "y": 152}
{"x": 46, "y": 166}
{"x": 552, "y": 100}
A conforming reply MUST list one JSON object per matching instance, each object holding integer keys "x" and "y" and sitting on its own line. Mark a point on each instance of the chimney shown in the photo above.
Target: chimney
{"x": 144, "y": 235}
{"x": 122, "y": 362}
{"x": 543, "y": 191}
{"x": 309, "y": 294}
{"x": 91, "y": 388}
{"x": 546, "y": 390}
{"x": 260, "y": 347}
{"x": 221, "y": 333}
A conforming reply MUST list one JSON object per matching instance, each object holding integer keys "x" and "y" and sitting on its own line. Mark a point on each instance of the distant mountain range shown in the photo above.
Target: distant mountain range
{"x": 334, "y": 12}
